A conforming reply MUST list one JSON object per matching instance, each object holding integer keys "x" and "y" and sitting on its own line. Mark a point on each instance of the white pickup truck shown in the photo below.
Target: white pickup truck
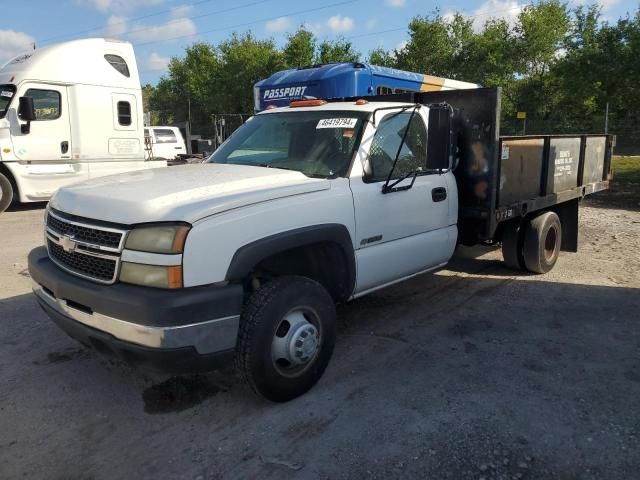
{"x": 304, "y": 206}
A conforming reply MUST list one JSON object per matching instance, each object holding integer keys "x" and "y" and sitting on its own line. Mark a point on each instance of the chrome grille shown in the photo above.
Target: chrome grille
{"x": 103, "y": 269}
{"x": 101, "y": 237}
{"x": 89, "y": 251}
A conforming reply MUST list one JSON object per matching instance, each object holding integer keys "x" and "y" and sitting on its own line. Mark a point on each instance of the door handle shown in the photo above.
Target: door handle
{"x": 64, "y": 147}
{"x": 439, "y": 194}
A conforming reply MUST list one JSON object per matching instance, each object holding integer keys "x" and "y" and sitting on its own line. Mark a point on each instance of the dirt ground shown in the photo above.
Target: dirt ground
{"x": 471, "y": 372}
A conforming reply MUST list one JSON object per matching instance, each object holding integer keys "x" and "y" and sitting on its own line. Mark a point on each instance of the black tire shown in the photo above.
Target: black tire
{"x": 542, "y": 240}
{"x": 512, "y": 246}
{"x": 262, "y": 320}
{"x": 6, "y": 193}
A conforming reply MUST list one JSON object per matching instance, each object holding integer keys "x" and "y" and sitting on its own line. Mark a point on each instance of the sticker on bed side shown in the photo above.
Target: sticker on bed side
{"x": 5, "y": 93}
{"x": 337, "y": 123}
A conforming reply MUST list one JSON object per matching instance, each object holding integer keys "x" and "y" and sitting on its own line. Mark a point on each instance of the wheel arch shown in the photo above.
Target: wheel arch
{"x": 325, "y": 250}
{"x": 12, "y": 179}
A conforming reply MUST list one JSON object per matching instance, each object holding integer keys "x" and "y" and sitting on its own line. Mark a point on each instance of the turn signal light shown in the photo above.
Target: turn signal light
{"x": 361, "y": 101}
{"x": 307, "y": 103}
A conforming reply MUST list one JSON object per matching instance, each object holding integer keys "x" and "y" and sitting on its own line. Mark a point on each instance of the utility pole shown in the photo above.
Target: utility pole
{"x": 606, "y": 119}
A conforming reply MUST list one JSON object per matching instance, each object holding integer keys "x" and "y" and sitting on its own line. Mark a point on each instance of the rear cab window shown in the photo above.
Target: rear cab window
{"x": 165, "y": 135}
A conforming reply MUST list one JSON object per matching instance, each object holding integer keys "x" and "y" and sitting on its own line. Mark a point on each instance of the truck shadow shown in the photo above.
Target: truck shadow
{"x": 23, "y": 207}
{"x": 620, "y": 196}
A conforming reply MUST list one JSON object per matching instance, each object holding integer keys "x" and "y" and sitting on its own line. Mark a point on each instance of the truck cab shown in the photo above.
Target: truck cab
{"x": 69, "y": 112}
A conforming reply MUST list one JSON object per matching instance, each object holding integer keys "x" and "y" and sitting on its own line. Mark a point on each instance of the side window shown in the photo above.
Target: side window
{"x": 164, "y": 135}
{"x": 124, "y": 113}
{"x": 118, "y": 63}
{"x": 385, "y": 143}
{"x": 382, "y": 90}
{"x": 47, "y": 103}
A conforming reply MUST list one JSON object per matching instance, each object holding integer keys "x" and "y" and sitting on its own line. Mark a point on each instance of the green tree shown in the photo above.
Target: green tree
{"x": 334, "y": 51}
{"x": 300, "y": 49}
{"x": 382, "y": 57}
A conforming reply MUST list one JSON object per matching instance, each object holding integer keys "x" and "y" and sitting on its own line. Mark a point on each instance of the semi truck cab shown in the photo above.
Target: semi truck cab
{"x": 69, "y": 112}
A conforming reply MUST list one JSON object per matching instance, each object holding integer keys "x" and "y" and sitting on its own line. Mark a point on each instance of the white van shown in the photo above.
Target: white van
{"x": 69, "y": 112}
{"x": 164, "y": 143}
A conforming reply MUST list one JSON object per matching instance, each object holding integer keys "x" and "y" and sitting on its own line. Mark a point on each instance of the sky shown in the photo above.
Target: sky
{"x": 160, "y": 29}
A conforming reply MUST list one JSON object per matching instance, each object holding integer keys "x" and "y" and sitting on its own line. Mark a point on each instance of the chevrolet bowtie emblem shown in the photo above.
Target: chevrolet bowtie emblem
{"x": 67, "y": 243}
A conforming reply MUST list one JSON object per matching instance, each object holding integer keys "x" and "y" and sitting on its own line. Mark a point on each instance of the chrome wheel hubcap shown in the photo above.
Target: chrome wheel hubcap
{"x": 296, "y": 341}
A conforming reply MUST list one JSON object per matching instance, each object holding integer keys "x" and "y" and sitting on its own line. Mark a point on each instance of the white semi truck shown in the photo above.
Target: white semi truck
{"x": 69, "y": 112}
{"x": 303, "y": 206}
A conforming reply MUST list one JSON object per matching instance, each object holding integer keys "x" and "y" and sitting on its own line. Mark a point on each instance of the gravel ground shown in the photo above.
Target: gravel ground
{"x": 472, "y": 372}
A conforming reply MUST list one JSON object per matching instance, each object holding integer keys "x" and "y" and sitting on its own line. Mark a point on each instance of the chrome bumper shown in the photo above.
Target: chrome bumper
{"x": 206, "y": 337}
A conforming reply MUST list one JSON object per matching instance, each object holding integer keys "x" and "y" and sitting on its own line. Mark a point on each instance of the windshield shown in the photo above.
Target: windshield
{"x": 317, "y": 144}
{"x": 6, "y": 94}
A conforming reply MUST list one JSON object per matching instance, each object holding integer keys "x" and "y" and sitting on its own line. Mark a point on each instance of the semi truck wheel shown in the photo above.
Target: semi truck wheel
{"x": 511, "y": 246}
{"x": 542, "y": 240}
{"x": 6, "y": 193}
{"x": 287, "y": 334}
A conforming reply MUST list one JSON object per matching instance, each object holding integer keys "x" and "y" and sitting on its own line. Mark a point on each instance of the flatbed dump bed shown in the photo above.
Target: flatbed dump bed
{"x": 505, "y": 179}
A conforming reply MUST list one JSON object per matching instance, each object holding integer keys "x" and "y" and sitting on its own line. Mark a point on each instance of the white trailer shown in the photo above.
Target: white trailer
{"x": 69, "y": 112}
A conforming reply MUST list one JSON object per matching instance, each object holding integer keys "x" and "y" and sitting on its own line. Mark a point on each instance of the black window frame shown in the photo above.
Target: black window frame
{"x": 11, "y": 88}
{"x": 120, "y": 115}
{"x": 26, "y": 94}
{"x": 368, "y": 177}
{"x": 114, "y": 60}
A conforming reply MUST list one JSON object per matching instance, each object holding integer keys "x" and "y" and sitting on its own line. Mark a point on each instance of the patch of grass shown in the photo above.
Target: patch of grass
{"x": 626, "y": 169}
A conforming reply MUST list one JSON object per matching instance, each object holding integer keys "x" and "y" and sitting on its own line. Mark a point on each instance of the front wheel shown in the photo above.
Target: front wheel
{"x": 6, "y": 193}
{"x": 287, "y": 334}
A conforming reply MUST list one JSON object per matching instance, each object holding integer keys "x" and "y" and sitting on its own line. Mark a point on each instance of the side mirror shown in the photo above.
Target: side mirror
{"x": 439, "y": 137}
{"x": 26, "y": 111}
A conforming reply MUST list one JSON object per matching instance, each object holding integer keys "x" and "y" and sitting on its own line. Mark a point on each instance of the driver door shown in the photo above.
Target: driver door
{"x": 402, "y": 232}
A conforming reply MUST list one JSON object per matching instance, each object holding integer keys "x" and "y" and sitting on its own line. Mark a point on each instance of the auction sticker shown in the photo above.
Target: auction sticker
{"x": 337, "y": 123}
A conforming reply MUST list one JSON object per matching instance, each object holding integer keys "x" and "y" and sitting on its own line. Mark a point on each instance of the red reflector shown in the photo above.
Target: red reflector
{"x": 361, "y": 101}
{"x": 307, "y": 103}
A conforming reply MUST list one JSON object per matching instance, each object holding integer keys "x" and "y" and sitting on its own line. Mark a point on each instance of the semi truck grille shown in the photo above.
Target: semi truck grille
{"x": 103, "y": 269}
{"x": 96, "y": 236}
{"x": 83, "y": 249}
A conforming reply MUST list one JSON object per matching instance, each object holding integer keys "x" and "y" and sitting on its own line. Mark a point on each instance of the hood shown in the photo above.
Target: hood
{"x": 185, "y": 193}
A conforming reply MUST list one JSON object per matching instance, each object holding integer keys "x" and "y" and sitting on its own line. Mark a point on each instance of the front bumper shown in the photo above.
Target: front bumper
{"x": 172, "y": 330}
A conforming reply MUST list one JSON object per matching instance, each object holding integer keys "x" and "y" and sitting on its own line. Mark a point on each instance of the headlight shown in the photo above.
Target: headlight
{"x": 151, "y": 275}
{"x": 158, "y": 239}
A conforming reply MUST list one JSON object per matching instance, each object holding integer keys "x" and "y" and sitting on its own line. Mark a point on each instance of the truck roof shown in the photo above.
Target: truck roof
{"x": 90, "y": 61}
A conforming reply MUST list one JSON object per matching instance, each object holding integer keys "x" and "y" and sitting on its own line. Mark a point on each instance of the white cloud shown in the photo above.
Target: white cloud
{"x": 401, "y": 45}
{"x": 116, "y": 26}
{"x": 506, "y": 9}
{"x": 157, "y": 62}
{"x": 177, "y": 27}
{"x": 395, "y": 3}
{"x": 13, "y": 44}
{"x": 118, "y": 5}
{"x": 278, "y": 25}
{"x": 338, "y": 23}
{"x": 315, "y": 28}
